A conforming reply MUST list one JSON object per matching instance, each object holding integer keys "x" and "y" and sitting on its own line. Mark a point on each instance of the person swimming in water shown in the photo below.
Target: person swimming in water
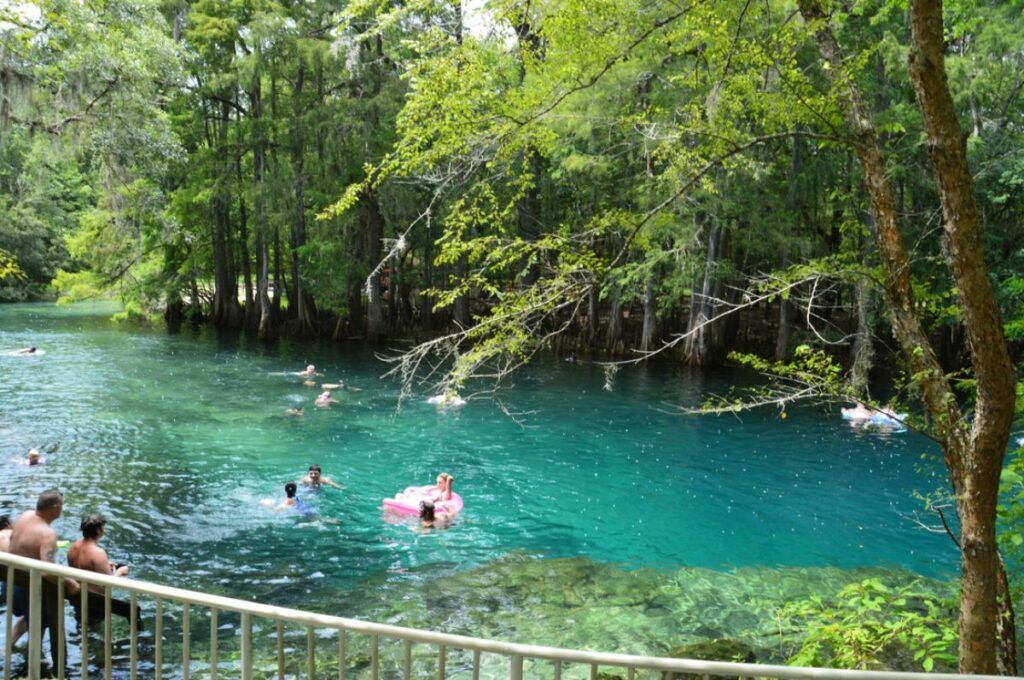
{"x": 293, "y": 502}
{"x": 315, "y": 478}
{"x": 427, "y": 514}
{"x": 309, "y": 372}
{"x": 25, "y": 350}
{"x": 33, "y": 457}
{"x": 324, "y": 400}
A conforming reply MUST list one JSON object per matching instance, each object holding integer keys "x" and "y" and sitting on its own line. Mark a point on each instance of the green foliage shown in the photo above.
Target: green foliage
{"x": 871, "y": 625}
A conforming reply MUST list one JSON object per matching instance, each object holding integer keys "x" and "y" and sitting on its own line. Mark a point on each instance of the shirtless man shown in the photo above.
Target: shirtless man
{"x": 5, "y": 546}
{"x": 315, "y": 478}
{"x": 86, "y": 554}
{"x": 34, "y": 537}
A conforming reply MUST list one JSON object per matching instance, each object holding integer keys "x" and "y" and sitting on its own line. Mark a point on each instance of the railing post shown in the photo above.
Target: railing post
{"x": 246, "y": 646}
{"x": 342, "y": 661}
{"x": 83, "y": 626}
{"x": 61, "y": 642}
{"x": 441, "y": 658}
{"x": 516, "y": 671}
{"x": 158, "y": 632}
{"x": 213, "y": 643}
{"x": 9, "y": 625}
{"x": 310, "y": 654}
{"x": 133, "y": 656}
{"x": 108, "y": 636}
{"x": 280, "y": 649}
{"x": 186, "y": 642}
{"x": 375, "y": 657}
{"x": 35, "y": 623}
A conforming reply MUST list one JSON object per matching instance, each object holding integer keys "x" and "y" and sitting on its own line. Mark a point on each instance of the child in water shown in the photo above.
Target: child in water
{"x": 427, "y": 516}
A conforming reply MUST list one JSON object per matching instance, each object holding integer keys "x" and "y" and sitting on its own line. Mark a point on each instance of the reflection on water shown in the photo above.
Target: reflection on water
{"x": 177, "y": 438}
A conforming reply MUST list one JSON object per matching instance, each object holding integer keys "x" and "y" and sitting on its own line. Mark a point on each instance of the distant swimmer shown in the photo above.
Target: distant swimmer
{"x": 447, "y": 400}
{"x": 33, "y": 457}
{"x": 26, "y": 352}
{"x": 294, "y": 412}
{"x": 315, "y": 478}
{"x": 332, "y": 386}
{"x": 858, "y": 412}
{"x": 309, "y": 372}
{"x": 325, "y": 400}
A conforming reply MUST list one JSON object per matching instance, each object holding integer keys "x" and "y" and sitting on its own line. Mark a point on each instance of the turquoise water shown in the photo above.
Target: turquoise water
{"x": 177, "y": 438}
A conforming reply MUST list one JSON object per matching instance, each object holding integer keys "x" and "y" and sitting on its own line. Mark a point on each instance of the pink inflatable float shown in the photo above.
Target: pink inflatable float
{"x": 408, "y": 502}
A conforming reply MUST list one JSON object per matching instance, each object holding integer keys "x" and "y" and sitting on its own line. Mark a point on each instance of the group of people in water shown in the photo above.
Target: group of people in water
{"x": 430, "y": 499}
{"x": 324, "y": 399}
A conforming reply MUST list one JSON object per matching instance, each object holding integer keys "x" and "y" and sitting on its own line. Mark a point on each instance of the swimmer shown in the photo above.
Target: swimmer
{"x": 33, "y": 457}
{"x": 315, "y": 478}
{"x": 427, "y": 515}
{"x": 325, "y": 400}
{"x": 449, "y": 399}
{"x": 309, "y": 372}
{"x": 858, "y": 412}
{"x": 26, "y": 350}
{"x": 332, "y": 386}
{"x": 294, "y": 412}
{"x": 291, "y": 501}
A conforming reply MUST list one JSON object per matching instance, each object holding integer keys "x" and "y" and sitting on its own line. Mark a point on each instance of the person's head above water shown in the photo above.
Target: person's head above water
{"x": 5, "y": 522}
{"x": 427, "y": 511}
{"x": 33, "y": 457}
{"x": 315, "y": 472}
{"x": 289, "y": 489}
{"x": 93, "y": 525}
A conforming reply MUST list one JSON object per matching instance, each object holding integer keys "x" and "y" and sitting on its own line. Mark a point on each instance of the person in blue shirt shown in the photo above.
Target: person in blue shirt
{"x": 293, "y": 502}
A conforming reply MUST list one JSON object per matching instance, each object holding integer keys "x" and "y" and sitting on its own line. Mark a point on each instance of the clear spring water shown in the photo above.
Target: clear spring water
{"x": 177, "y": 438}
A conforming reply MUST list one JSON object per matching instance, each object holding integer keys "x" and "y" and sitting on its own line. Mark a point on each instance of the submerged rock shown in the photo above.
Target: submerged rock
{"x": 722, "y": 649}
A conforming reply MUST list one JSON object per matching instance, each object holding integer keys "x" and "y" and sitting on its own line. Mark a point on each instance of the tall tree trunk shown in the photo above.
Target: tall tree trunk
{"x": 863, "y": 347}
{"x": 696, "y": 349}
{"x": 973, "y": 454}
{"x": 613, "y": 341}
{"x": 647, "y": 335}
{"x": 793, "y": 205}
{"x": 243, "y": 248}
{"x": 226, "y": 313}
{"x": 300, "y": 304}
{"x": 376, "y": 327}
{"x": 426, "y": 300}
{"x": 265, "y": 328}
{"x": 982, "y": 461}
{"x": 461, "y": 308}
{"x": 593, "y": 314}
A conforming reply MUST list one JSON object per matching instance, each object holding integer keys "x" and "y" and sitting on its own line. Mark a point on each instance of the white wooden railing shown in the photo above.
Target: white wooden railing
{"x": 384, "y": 650}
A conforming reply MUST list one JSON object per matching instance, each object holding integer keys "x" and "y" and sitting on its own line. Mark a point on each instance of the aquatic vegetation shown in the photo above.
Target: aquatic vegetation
{"x": 873, "y": 626}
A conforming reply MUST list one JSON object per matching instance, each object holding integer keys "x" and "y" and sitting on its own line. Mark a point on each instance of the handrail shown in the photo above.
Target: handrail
{"x": 510, "y": 649}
